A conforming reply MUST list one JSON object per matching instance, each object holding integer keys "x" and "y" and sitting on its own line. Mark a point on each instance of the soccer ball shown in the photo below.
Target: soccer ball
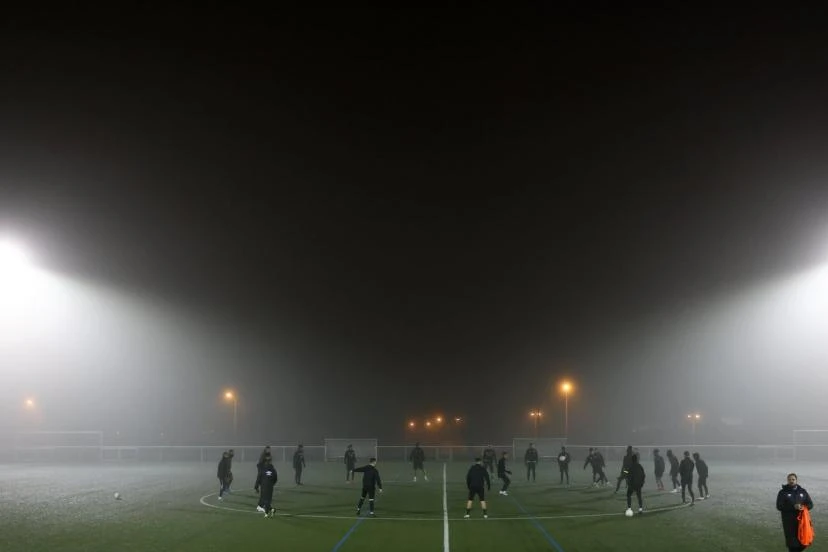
{"x": 629, "y": 512}
{"x": 117, "y": 496}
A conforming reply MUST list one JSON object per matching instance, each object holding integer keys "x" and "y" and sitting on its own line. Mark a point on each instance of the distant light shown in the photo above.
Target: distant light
{"x": 566, "y": 387}
{"x": 29, "y": 403}
{"x": 428, "y": 423}
{"x": 458, "y": 419}
{"x": 694, "y": 416}
{"x": 229, "y": 395}
{"x": 411, "y": 424}
{"x": 536, "y": 413}
{"x": 439, "y": 419}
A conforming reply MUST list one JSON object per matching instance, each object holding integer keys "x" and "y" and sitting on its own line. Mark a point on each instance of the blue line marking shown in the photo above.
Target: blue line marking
{"x": 349, "y": 533}
{"x": 537, "y": 524}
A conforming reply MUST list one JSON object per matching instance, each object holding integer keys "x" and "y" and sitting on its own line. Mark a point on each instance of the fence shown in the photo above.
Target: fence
{"x": 399, "y": 453}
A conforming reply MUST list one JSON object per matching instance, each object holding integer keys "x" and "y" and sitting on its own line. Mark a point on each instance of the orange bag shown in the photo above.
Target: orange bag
{"x": 805, "y": 531}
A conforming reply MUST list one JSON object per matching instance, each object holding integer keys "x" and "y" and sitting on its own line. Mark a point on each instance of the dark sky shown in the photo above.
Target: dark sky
{"x": 370, "y": 216}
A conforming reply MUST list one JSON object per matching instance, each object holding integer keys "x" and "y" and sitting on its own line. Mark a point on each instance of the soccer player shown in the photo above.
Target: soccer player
{"x": 417, "y": 458}
{"x": 590, "y": 461}
{"x": 490, "y": 459}
{"x": 635, "y": 481}
{"x": 674, "y": 470}
{"x": 230, "y": 453}
{"x": 223, "y": 474}
{"x": 350, "y": 464}
{"x": 299, "y": 463}
{"x": 268, "y": 481}
{"x": 563, "y": 464}
{"x": 259, "y": 464}
{"x": 686, "y": 472}
{"x": 601, "y": 464}
{"x": 503, "y": 473}
{"x": 531, "y": 461}
{"x": 370, "y": 482}
{"x": 658, "y": 460}
{"x": 701, "y": 468}
{"x": 475, "y": 478}
{"x": 625, "y": 467}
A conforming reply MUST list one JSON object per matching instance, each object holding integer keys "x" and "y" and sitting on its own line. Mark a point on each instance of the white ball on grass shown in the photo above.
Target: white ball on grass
{"x": 629, "y": 512}
{"x": 117, "y": 496}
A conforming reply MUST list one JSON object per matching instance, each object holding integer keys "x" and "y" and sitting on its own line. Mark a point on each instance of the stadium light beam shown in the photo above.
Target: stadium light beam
{"x": 231, "y": 396}
{"x": 566, "y": 387}
{"x": 694, "y": 418}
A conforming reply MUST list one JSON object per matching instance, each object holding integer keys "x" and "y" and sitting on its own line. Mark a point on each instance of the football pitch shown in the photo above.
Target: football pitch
{"x": 175, "y": 507}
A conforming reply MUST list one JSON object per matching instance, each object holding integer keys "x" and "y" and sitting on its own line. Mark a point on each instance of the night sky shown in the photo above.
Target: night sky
{"x": 358, "y": 218}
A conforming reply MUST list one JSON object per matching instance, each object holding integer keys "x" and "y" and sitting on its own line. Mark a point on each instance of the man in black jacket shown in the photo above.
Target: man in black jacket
{"x": 658, "y": 462}
{"x": 299, "y": 463}
{"x": 490, "y": 459}
{"x": 531, "y": 460}
{"x": 625, "y": 467}
{"x": 370, "y": 482}
{"x": 223, "y": 474}
{"x": 503, "y": 473}
{"x": 350, "y": 463}
{"x": 686, "y": 472}
{"x": 268, "y": 481}
{"x": 563, "y": 465}
{"x": 417, "y": 458}
{"x": 476, "y": 477}
{"x": 701, "y": 468}
{"x": 265, "y": 453}
{"x": 635, "y": 481}
{"x": 674, "y": 470}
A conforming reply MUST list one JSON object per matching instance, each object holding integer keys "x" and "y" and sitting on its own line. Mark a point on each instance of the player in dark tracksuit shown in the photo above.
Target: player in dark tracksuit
{"x": 531, "y": 460}
{"x": 370, "y": 482}
{"x": 350, "y": 463}
{"x": 701, "y": 468}
{"x": 223, "y": 474}
{"x": 596, "y": 460}
{"x": 265, "y": 453}
{"x": 686, "y": 472}
{"x": 417, "y": 458}
{"x": 563, "y": 464}
{"x": 476, "y": 478}
{"x": 268, "y": 481}
{"x": 674, "y": 470}
{"x": 635, "y": 481}
{"x": 503, "y": 473}
{"x": 625, "y": 467}
{"x": 490, "y": 459}
{"x": 658, "y": 462}
{"x": 299, "y": 463}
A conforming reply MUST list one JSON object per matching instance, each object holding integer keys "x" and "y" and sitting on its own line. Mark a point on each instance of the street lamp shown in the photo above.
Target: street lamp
{"x": 566, "y": 387}
{"x": 231, "y": 396}
{"x": 694, "y": 418}
{"x": 536, "y": 415}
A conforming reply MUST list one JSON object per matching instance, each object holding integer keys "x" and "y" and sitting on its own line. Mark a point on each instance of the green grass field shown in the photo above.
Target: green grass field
{"x": 175, "y": 507}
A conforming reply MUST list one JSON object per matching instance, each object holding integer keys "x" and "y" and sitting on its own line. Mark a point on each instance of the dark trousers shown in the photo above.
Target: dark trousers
{"x": 687, "y": 484}
{"x": 369, "y": 492}
{"x": 659, "y": 482}
{"x": 703, "y": 486}
{"x": 266, "y": 496}
{"x": 621, "y": 477}
{"x": 637, "y": 492}
{"x": 224, "y": 486}
{"x": 530, "y": 469}
{"x": 489, "y": 466}
{"x": 349, "y": 469}
{"x": 564, "y": 471}
{"x": 506, "y": 481}
{"x": 298, "y": 470}
{"x": 258, "y": 482}
{"x": 674, "y": 479}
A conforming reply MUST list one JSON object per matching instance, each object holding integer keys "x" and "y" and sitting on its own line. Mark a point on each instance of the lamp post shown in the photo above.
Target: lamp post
{"x": 231, "y": 396}
{"x": 536, "y": 416}
{"x": 694, "y": 418}
{"x": 566, "y": 387}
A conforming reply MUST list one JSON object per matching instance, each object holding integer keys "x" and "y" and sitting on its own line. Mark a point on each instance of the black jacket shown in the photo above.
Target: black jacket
{"x": 566, "y": 459}
{"x": 477, "y": 476}
{"x": 417, "y": 455}
{"x": 371, "y": 477}
{"x": 223, "y": 471}
{"x": 531, "y": 455}
{"x": 701, "y": 467}
{"x": 787, "y": 497}
{"x": 268, "y": 473}
{"x": 298, "y": 459}
{"x": 501, "y": 467}
{"x": 350, "y": 457}
{"x": 686, "y": 469}
{"x": 636, "y": 476}
{"x": 658, "y": 460}
{"x": 674, "y": 464}
{"x": 489, "y": 456}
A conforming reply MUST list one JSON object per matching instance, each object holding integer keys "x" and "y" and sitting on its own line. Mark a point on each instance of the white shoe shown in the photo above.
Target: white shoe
{"x": 425, "y": 477}
{"x": 221, "y": 498}
{"x": 415, "y": 479}
{"x": 505, "y": 493}
{"x": 467, "y": 516}
{"x": 485, "y": 516}
{"x": 641, "y": 510}
{"x": 707, "y": 497}
{"x": 260, "y": 509}
{"x": 700, "y": 498}
{"x": 674, "y": 491}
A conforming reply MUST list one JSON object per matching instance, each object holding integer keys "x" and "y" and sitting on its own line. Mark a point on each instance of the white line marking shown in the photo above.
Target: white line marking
{"x": 445, "y": 514}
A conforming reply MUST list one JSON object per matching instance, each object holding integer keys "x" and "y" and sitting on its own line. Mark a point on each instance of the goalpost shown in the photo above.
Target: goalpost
{"x": 364, "y": 448}
{"x": 58, "y": 446}
{"x": 810, "y": 444}
{"x": 548, "y": 447}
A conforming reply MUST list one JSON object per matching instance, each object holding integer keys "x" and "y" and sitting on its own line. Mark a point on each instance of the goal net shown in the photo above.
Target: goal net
{"x": 810, "y": 444}
{"x": 58, "y": 446}
{"x": 364, "y": 448}
{"x": 548, "y": 447}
